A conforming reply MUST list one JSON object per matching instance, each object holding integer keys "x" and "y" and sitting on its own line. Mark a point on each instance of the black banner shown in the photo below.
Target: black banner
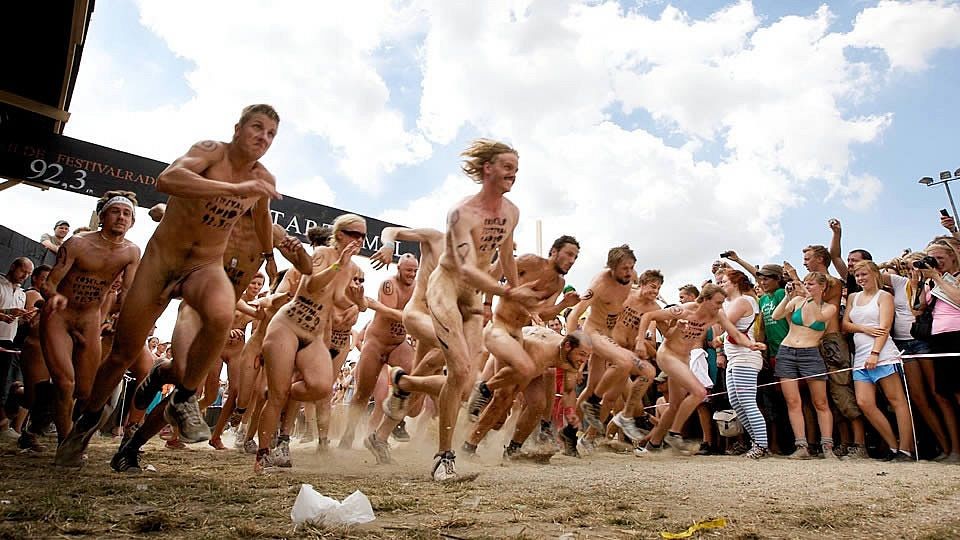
{"x": 61, "y": 162}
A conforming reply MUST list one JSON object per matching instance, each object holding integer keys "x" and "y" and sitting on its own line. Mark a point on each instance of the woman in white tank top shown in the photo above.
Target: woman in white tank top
{"x": 876, "y": 362}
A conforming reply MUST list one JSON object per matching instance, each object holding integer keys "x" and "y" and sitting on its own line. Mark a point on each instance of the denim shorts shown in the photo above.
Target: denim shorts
{"x": 793, "y": 363}
{"x": 874, "y": 375}
{"x": 912, "y": 346}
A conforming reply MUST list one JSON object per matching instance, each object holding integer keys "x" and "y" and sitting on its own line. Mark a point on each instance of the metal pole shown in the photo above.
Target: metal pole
{"x": 540, "y": 238}
{"x": 950, "y": 196}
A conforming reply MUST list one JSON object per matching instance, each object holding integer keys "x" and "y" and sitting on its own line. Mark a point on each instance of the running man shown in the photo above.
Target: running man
{"x": 477, "y": 227}
{"x": 692, "y": 320}
{"x": 210, "y": 188}
{"x": 504, "y": 338}
{"x": 610, "y": 363}
{"x": 86, "y": 268}
{"x": 385, "y": 341}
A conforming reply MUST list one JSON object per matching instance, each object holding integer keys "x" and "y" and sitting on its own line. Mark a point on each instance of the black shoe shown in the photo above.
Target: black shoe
{"x": 568, "y": 436}
{"x": 400, "y": 432}
{"x": 126, "y": 460}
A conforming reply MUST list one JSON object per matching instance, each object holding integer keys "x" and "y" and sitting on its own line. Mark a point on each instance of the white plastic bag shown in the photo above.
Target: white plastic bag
{"x": 312, "y": 506}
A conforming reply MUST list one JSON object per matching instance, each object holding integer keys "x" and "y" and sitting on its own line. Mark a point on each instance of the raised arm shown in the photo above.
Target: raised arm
{"x": 292, "y": 250}
{"x": 836, "y": 254}
{"x": 585, "y": 300}
{"x": 751, "y": 269}
{"x": 391, "y": 235}
{"x": 323, "y": 275}
{"x": 183, "y": 177}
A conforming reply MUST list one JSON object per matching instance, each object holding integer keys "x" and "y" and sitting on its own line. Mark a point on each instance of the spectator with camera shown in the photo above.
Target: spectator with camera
{"x": 807, "y": 314}
{"x": 940, "y": 300}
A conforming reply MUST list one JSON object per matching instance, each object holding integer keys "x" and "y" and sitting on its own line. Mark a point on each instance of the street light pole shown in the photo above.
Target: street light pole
{"x": 945, "y": 178}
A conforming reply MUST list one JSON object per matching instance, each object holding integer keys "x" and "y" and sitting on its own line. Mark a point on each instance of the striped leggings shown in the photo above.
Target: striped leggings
{"x": 742, "y": 392}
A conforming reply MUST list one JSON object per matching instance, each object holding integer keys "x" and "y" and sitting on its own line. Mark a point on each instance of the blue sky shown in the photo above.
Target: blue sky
{"x": 627, "y": 128}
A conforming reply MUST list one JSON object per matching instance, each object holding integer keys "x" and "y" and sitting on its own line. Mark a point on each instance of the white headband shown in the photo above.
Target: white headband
{"x": 119, "y": 199}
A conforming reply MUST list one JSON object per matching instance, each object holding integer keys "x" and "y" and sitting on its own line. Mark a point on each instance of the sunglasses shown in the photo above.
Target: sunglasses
{"x": 356, "y": 235}
{"x": 359, "y": 280}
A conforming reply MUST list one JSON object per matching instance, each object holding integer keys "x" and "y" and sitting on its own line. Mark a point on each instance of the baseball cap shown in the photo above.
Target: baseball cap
{"x": 661, "y": 377}
{"x": 771, "y": 270}
{"x": 61, "y": 222}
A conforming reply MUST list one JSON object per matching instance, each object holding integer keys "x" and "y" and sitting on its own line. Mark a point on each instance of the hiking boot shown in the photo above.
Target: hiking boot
{"x": 395, "y": 405}
{"x": 29, "y": 442}
{"x": 379, "y": 449}
{"x": 802, "y": 452}
{"x": 70, "y": 453}
{"x": 186, "y": 419}
{"x": 400, "y": 432}
{"x": 677, "y": 442}
{"x": 591, "y": 416}
{"x": 629, "y": 427}
{"x": 149, "y": 387}
{"x": 478, "y": 401}
{"x": 756, "y": 452}
{"x": 126, "y": 460}
{"x": 856, "y": 452}
{"x": 444, "y": 466}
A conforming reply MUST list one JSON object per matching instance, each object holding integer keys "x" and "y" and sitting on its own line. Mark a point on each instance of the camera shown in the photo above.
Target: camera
{"x": 726, "y": 254}
{"x": 925, "y": 263}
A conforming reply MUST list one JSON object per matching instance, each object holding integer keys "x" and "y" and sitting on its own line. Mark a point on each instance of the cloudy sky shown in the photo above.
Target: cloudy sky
{"x": 681, "y": 128}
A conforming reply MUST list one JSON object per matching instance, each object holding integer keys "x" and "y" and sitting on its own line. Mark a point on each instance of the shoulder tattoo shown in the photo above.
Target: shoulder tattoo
{"x": 207, "y": 146}
{"x": 587, "y": 295}
{"x": 387, "y": 287}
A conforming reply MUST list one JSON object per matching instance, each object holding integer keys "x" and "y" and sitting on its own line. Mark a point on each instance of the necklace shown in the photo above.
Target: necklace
{"x": 109, "y": 240}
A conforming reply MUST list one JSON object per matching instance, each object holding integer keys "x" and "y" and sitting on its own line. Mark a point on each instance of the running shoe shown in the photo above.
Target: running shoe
{"x": 126, "y": 460}
{"x": 29, "y": 442}
{"x": 510, "y": 453}
{"x": 677, "y": 442}
{"x": 379, "y": 449}
{"x": 547, "y": 434}
{"x": 186, "y": 419}
{"x": 640, "y": 451}
{"x": 282, "y": 454}
{"x": 477, "y": 402}
{"x": 591, "y": 416}
{"x": 9, "y": 434}
{"x": 240, "y": 438}
{"x": 395, "y": 406}
{"x": 903, "y": 458}
{"x": 706, "y": 449}
{"x": 829, "y": 454}
{"x": 629, "y": 426}
{"x": 802, "y": 452}
{"x": 400, "y": 432}
{"x": 568, "y": 436}
{"x": 148, "y": 388}
{"x": 586, "y": 446}
{"x": 468, "y": 450}
{"x": 70, "y": 453}
{"x": 444, "y": 466}
{"x": 250, "y": 447}
{"x": 756, "y": 452}
{"x": 270, "y": 460}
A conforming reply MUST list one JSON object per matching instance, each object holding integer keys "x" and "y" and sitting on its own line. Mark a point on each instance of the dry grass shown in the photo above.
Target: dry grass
{"x": 199, "y": 493}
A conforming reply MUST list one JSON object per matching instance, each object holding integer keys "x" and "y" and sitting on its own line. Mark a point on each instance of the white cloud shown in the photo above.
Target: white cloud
{"x": 908, "y": 32}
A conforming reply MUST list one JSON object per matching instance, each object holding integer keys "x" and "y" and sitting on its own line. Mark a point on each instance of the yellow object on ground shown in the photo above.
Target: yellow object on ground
{"x": 706, "y": 524}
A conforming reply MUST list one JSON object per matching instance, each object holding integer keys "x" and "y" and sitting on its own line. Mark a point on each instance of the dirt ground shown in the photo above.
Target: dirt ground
{"x": 203, "y": 493}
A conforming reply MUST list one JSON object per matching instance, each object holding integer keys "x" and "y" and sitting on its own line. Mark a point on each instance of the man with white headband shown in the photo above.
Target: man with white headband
{"x": 210, "y": 187}
{"x": 87, "y": 264}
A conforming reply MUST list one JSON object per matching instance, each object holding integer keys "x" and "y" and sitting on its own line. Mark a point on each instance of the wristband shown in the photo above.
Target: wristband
{"x": 875, "y": 353}
{"x": 391, "y": 243}
{"x": 335, "y": 267}
{"x": 267, "y": 255}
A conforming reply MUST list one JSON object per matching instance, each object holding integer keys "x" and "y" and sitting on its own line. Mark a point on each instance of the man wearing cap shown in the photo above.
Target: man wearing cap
{"x": 87, "y": 264}
{"x": 54, "y": 241}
